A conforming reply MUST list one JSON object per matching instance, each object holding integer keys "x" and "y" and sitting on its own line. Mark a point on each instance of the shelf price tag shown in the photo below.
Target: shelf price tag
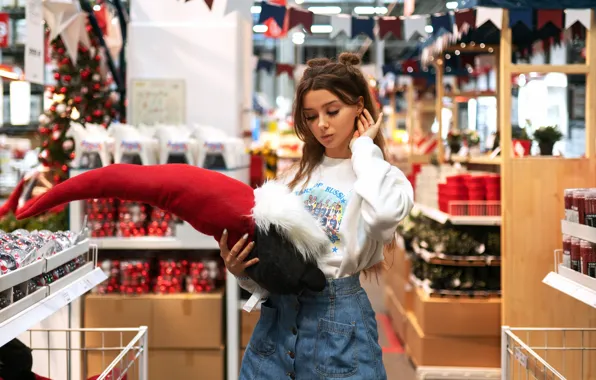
{"x": 66, "y": 297}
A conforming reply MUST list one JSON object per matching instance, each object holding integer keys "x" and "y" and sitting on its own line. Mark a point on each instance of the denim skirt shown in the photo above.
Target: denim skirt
{"x": 316, "y": 336}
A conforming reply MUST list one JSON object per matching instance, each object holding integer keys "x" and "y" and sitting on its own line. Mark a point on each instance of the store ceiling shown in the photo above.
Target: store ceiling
{"x": 349, "y": 6}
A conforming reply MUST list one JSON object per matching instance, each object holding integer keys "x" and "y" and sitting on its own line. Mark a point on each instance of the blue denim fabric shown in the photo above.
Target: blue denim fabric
{"x": 316, "y": 336}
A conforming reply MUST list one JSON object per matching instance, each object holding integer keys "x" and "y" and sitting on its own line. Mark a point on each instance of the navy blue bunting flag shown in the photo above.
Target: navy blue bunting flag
{"x": 523, "y": 16}
{"x": 441, "y": 22}
{"x": 266, "y": 65}
{"x": 276, "y": 12}
{"x": 364, "y": 26}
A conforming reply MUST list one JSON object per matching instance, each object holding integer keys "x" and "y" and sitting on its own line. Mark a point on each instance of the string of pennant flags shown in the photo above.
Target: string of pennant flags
{"x": 450, "y": 25}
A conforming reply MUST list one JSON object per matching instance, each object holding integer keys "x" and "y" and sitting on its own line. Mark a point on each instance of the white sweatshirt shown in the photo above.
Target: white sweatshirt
{"x": 359, "y": 203}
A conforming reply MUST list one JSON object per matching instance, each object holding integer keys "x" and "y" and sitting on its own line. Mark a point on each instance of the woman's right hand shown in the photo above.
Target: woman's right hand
{"x": 234, "y": 258}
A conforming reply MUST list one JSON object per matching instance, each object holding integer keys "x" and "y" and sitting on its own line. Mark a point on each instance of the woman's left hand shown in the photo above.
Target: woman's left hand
{"x": 367, "y": 126}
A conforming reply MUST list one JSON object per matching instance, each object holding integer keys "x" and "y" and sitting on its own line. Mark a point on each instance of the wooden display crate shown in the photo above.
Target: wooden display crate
{"x": 450, "y": 351}
{"x": 457, "y": 317}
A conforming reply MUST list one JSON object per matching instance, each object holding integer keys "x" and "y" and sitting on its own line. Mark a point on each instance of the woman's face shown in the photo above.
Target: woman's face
{"x": 331, "y": 121}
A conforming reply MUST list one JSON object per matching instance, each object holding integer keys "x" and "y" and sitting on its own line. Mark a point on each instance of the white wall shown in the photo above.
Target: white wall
{"x": 212, "y": 53}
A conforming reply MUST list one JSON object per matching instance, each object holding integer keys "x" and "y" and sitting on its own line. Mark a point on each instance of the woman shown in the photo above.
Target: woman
{"x": 332, "y": 334}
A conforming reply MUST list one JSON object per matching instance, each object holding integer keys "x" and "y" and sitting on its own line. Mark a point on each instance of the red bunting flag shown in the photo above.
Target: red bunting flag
{"x": 554, "y": 16}
{"x": 389, "y": 25}
{"x": 302, "y": 17}
{"x": 467, "y": 16}
{"x": 409, "y": 66}
{"x": 284, "y": 68}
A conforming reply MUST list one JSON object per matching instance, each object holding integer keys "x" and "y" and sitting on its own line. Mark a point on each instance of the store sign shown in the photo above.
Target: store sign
{"x": 4, "y": 30}
{"x": 34, "y": 57}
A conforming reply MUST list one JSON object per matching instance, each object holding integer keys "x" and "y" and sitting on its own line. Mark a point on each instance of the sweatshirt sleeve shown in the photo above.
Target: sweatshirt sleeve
{"x": 387, "y": 195}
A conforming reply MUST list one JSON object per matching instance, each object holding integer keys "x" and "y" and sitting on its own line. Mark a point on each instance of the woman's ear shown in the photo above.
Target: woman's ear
{"x": 360, "y": 105}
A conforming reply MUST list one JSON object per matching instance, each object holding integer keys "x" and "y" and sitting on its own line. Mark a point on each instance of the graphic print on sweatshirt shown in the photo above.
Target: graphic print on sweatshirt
{"x": 326, "y": 204}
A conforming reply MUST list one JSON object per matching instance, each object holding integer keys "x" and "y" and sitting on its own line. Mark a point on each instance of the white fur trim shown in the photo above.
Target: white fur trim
{"x": 276, "y": 205}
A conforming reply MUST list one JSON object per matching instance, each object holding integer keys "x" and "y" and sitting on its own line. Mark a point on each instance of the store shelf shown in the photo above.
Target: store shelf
{"x": 574, "y": 284}
{"x": 443, "y": 218}
{"x": 430, "y": 292}
{"x": 39, "y": 307}
{"x": 151, "y": 242}
{"x": 456, "y": 260}
{"x": 480, "y": 160}
{"x": 67, "y": 255}
{"x": 578, "y": 230}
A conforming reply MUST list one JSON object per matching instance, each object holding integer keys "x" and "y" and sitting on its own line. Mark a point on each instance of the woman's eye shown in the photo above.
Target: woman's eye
{"x": 332, "y": 113}
{"x": 310, "y": 118}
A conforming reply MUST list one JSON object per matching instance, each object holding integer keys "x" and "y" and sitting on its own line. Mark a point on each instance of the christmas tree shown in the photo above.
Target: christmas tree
{"x": 81, "y": 94}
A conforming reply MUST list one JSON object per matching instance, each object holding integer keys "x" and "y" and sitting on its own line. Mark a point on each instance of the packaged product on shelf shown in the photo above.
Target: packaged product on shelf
{"x": 161, "y": 223}
{"x": 131, "y": 219}
{"x": 202, "y": 276}
{"x": 112, "y": 284}
{"x": 133, "y": 145}
{"x": 92, "y": 146}
{"x": 176, "y": 145}
{"x": 591, "y": 207}
{"x": 575, "y": 254}
{"x": 587, "y": 258}
{"x": 567, "y": 251}
{"x": 100, "y": 217}
{"x": 579, "y": 205}
{"x": 170, "y": 278}
{"x": 134, "y": 277}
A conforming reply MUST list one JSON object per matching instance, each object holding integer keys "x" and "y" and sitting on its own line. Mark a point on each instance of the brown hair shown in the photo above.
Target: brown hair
{"x": 344, "y": 80}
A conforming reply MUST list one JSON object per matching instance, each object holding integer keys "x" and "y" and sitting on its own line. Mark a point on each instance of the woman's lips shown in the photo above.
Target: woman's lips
{"x": 327, "y": 138}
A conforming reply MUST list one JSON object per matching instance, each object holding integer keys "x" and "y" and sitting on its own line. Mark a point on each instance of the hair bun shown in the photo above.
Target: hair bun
{"x": 318, "y": 62}
{"x": 349, "y": 59}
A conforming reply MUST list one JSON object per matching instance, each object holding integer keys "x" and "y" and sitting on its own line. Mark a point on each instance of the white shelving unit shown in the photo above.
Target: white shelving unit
{"x": 48, "y": 300}
{"x": 574, "y": 284}
{"x": 443, "y": 218}
{"x": 568, "y": 281}
{"x": 24, "y": 314}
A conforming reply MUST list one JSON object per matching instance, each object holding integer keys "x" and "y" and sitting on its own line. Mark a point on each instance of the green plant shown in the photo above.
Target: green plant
{"x": 47, "y": 221}
{"x": 548, "y": 135}
{"x": 471, "y": 138}
{"x": 519, "y": 133}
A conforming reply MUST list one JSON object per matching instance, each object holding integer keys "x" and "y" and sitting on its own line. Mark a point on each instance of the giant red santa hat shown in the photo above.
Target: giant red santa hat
{"x": 288, "y": 240}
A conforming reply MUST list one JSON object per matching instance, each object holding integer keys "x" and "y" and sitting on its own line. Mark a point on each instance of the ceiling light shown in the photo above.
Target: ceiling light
{"x": 321, "y": 28}
{"x": 255, "y": 9}
{"x": 259, "y": 28}
{"x": 451, "y": 5}
{"x": 299, "y": 1}
{"x": 428, "y": 29}
{"x": 370, "y": 10}
{"x": 330, "y": 10}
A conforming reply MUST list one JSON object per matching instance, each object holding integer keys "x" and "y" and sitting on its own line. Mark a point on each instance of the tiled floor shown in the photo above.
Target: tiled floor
{"x": 396, "y": 362}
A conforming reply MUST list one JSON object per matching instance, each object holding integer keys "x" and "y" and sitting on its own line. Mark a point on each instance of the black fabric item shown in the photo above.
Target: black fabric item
{"x": 16, "y": 361}
{"x": 281, "y": 268}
